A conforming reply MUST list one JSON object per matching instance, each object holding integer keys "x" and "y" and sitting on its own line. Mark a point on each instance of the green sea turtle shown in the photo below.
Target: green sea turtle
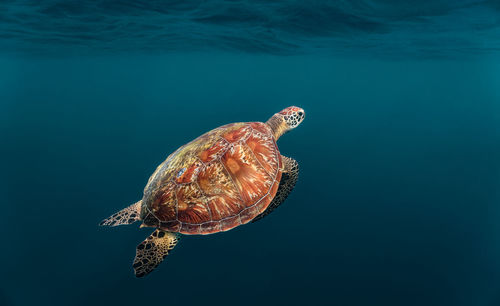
{"x": 229, "y": 176}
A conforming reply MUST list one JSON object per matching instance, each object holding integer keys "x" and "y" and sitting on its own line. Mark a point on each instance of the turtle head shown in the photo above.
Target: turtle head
{"x": 286, "y": 120}
{"x": 293, "y": 116}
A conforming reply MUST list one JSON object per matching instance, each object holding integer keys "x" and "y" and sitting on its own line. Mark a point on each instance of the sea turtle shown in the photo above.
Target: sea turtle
{"x": 229, "y": 176}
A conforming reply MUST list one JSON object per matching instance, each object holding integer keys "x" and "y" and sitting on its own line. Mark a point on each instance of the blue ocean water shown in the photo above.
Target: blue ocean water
{"x": 398, "y": 197}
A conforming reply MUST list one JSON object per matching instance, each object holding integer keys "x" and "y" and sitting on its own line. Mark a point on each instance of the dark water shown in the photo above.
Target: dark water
{"x": 398, "y": 197}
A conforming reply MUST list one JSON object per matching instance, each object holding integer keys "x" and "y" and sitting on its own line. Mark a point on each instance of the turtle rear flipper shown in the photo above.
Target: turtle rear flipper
{"x": 151, "y": 252}
{"x": 125, "y": 216}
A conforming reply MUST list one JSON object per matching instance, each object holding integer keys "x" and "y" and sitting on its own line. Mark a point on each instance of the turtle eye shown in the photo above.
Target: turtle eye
{"x": 300, "y": 114}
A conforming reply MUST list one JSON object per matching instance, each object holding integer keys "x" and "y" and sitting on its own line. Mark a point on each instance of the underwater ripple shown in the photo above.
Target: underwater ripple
{"x": 378, "y": 27}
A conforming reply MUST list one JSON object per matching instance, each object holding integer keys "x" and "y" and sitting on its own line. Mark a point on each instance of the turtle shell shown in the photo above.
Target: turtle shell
{"x": 220, "y": 180}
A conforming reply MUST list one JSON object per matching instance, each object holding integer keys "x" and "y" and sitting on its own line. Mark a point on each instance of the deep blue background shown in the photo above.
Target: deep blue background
{"x": 398, "y": 197}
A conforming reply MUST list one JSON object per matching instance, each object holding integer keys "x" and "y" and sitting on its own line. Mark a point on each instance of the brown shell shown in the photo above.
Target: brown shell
{"x": 220, "y": 180}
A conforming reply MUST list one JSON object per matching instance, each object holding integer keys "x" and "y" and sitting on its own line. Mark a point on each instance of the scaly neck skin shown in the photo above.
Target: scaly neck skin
{"x": 278, "y": 126}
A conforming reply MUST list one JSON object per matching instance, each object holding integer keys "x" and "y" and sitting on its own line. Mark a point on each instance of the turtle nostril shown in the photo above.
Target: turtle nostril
{"x": 301, "y": 114}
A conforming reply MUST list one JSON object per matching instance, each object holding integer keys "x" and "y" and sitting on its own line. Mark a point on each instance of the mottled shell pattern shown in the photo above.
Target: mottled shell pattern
{"x": 220, "y": 180}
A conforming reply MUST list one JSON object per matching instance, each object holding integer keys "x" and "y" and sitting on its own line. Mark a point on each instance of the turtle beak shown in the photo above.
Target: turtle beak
{"x": 302, "y": 114}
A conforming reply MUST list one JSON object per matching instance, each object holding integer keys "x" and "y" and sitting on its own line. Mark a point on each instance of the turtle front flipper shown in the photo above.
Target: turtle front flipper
{"x": 125, "y": 216}
{"x": 288, "y": 179}
{"x": 151, "y": 252}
